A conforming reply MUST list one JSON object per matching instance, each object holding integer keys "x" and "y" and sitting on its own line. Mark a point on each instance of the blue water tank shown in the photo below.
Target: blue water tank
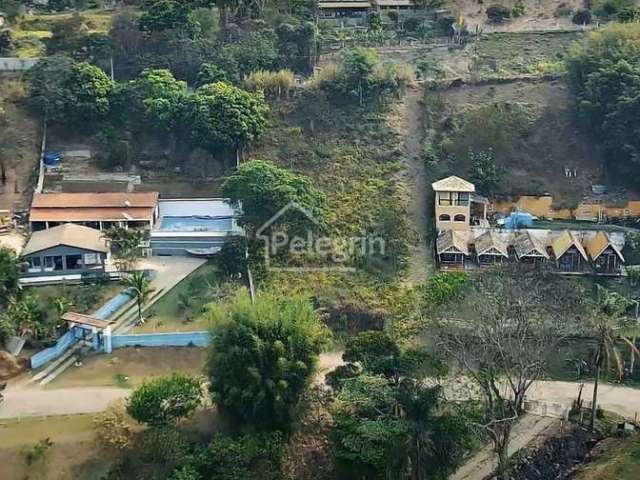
{"x": 51, "y": 159}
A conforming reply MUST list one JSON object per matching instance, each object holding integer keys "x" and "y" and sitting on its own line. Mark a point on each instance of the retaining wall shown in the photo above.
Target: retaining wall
{"x": 175, "y": 339}
{"x": 48, "y": 354}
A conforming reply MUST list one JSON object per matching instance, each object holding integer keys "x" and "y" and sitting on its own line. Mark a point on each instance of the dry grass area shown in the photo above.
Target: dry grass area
{"x": 20, "y": 139}
{"x": 538, "y": 14}
{"x": 529, "y": 126}
{"x": 72, "y": 455}
{"x": 620, "y": 460}
{"x": 128, "y": 367}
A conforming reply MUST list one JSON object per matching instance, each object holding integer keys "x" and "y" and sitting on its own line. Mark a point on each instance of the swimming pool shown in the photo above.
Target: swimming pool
{"x": 196, "y": 224}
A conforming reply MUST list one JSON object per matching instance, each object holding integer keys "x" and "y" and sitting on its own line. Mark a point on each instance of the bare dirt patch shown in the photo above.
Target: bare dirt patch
{"x": 128, "y": 367}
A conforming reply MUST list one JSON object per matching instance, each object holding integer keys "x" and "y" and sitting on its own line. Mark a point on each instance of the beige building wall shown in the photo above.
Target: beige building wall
{"x": 451, "y": 211}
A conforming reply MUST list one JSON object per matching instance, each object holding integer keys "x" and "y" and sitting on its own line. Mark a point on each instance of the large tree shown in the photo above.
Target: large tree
{"x": 501, "y": 333}
{"x": 226, "y": 117}
{"x": 262, "y": 358}
{"x": 604, "y": 74}
{"x": 9, "y": 275}
{"x": 263, "y": 189}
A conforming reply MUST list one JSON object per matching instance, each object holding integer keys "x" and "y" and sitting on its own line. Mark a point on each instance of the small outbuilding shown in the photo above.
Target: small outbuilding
{"x": 530, "y": 248}
{"x": 490, "y": 249}
{"x": 67, "y": 251}
{"x": 606, "y": 257}
{"x": 452, "y": 248}
{"x": 569, "y": 253}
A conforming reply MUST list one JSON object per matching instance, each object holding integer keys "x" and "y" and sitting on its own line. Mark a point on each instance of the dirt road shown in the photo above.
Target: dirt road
{"x": 65, "y": 401}
{"x": 408, "y": 122}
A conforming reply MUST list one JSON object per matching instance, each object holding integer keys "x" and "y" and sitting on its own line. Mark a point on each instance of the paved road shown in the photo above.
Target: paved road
{"x": 66, "y": 401}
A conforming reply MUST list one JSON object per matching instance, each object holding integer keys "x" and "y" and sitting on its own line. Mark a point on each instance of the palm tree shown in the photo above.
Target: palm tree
{"x": 139, "y": 288}
{"x": 609, "y": 326}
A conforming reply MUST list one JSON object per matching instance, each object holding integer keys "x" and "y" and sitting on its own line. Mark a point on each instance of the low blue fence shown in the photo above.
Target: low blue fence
{"x": 48, "y": 354}
{"x": 113, "y": 305}
{"x": 68, "y": 339}
{"x": 175, "y": 339}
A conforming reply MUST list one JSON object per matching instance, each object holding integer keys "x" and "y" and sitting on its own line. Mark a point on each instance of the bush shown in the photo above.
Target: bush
{"x": 498, "y": 13}
{"x": 629, "y": 14}
{"x": 582, "y": 17}
{"x": 164, "y": 400}
{"x": 112, "y": 429}
{"x": 231, "y": 259}
{"x": 563, "y": 10}
{"x": 518, "y": 9}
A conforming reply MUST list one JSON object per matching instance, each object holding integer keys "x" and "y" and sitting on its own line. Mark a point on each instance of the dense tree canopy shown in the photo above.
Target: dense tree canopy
{"x": 604, "y": 74}
{"x": 263, "y": 189}
{"x": 262, "y": 358}
{"x": 224, "y": 116}
{"x": 9, "y": 275}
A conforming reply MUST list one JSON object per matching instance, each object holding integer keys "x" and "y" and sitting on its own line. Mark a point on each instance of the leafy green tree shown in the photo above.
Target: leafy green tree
{"x": 89, "y": 90}
{"x": 246, "y": 457}
{"x": 484, "y": 172}
{"x": 263, "y": 189}
{"x": 25, "y": 317}
{"x": 262, "y": 357}
{"x": 609, "y": 327}
{"x": 166, "y": 15}
{"x": 9, "y": 275}
{"x": 155, "y": 95}
{"x": 139, "y": 287}
{"x": 224, "y": 116}
{"x": 232, "y": 257}
{"x": 47, "y": 84}
{"x": 125, "y": 246}
{"x": 604, "y": 74}
{"x": 210, "y": 73}
{"x": 386, "y": 431}
{"x": 163, "y": 401}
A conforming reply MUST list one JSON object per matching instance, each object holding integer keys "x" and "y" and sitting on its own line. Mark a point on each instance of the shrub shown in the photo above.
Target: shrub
{"x": 164, "y": 400}
{"x": 563, "y": 10}
{"x": 498, "y": 13}
{"x": 271, "y": 84}
{"x": 231, "y": 259}
{"x": 628, "y": 14}
{"x": 518, "y": 9}
{"x": 112, "y": 430}
{"x": 582, "y": 17}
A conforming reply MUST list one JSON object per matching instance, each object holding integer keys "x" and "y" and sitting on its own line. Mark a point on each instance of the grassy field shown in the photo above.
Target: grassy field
{"x": 620, "y": 461}
{"x": 128, "y": 367}
{"x": 530, "y": 128}
{"x": 72, "y": 455}
{"x": 31, "y": 29}
{"x": 182, "y": 308}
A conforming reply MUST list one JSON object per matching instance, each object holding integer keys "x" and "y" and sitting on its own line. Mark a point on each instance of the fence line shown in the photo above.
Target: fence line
{"x": 48, "y": 354}
{"x": 173, "y": 339}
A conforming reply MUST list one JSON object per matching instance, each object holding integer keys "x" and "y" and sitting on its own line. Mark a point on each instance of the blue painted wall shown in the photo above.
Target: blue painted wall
{"x": 176, "y": 339}
{"x": 48, "y": 354}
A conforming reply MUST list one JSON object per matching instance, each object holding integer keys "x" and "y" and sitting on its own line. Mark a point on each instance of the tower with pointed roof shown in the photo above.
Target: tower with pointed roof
{"x": 453, "y": 203}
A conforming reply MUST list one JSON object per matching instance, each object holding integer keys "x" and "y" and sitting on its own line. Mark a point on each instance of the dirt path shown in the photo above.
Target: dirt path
{"x": 408, "y": 122}
{"x": 65, "y": 401}
{"x": 528, "y": 429}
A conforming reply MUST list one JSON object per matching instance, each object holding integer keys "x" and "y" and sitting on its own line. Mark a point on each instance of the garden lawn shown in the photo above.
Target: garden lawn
{"x": 182, "y": 308}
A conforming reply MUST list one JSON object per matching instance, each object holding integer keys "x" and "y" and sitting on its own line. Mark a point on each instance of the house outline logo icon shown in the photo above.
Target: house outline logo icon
{"x": 270, "y": 245}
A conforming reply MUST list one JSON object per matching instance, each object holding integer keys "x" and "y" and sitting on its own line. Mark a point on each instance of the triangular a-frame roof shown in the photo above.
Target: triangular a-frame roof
{"x": 599, "y": 243}
{"x": 528, "y": 245}
{"x": 453, "y": 184}
{"x": 564, "y": 242}
{"x": 489, "y": 241}
{"x": 452, "y": 241}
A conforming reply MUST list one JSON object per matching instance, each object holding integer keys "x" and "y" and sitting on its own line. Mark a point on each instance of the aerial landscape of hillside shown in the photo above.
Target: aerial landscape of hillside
{"x": 313, "y": 239}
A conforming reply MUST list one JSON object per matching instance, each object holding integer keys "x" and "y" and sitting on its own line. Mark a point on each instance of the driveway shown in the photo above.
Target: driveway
{"x": 66, "y": 401}
{"x": 169, "y": 271}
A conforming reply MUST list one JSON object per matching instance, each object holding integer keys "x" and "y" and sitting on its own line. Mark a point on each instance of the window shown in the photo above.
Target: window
{"x": 35, "y": 264}
{"x": 53, "y": 263}
{"x": 463, "y": 199}
{"x": 444, "y": 218}
{"x": 74, "y": 262}
{"x": 444, "y": 198}
{"x": 91, "y": 258}
{"x": 459, "y": 218}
